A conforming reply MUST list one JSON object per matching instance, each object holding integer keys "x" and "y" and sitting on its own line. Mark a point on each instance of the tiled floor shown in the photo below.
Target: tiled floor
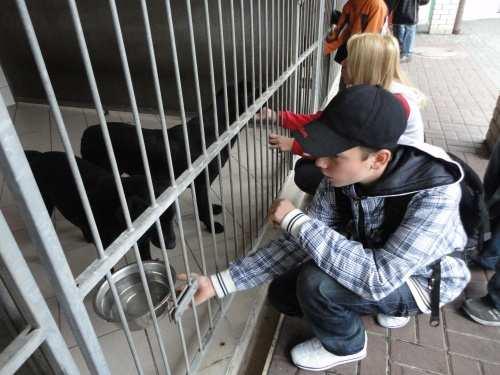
{"x": 37, "y": 130}
{"x": 461, "y": 76}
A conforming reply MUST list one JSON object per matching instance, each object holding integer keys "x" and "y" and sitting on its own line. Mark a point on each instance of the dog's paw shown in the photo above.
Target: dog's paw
{"x": 217, "y": 209}
{"x": 219, "y": 228}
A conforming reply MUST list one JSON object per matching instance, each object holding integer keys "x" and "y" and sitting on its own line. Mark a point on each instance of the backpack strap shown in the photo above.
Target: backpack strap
{"x": 435, "y": 284}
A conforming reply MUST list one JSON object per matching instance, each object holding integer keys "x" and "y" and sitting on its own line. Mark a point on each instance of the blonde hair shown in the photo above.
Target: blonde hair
{"x": 373, "y": 59}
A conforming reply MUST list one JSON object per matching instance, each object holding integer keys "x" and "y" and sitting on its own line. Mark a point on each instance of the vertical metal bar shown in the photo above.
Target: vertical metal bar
{"x": 168, "y": 151}
{"x": 224, "y": 86}
{"x": 32, "y": 297}
{"x": 319, "y": 55}
{"x": 219, "y": 162}
{"x": 282, "y": 90}
{"x": 306, "y": 78}
{"x": 216, "y": 123}
{"x": 204, "y": 149}
{"x": 267, "y": 49}
{"x": 273, "y": 51}
{"x": 254, "y": 122}
{"x": 296, "y": 54}
{"x": 116, "y": 175}
{"x": 245, "y": 95}
{"x": 261, "y": 149}
{"x": 142, "y": 148}
{"x": 284, "y": 33}
{"x": 54, "y": 258}
{"x": 184, "y": 125}
{"x": 237, "y": 104}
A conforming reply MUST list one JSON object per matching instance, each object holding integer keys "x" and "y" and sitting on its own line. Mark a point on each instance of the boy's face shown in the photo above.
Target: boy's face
{"x": 348, "y": 167}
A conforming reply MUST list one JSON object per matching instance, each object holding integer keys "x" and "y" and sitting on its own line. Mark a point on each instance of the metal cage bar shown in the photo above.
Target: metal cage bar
{"x": 45, "y": 331}
{"x": 277, "y": 76}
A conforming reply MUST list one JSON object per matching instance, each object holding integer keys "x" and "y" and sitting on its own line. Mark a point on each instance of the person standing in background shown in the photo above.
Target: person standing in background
{"x": 358, "y": 16}
{"x": 404, "y": 15}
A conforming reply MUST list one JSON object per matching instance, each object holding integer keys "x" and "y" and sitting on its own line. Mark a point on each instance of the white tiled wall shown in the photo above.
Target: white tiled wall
{"x": 5, "y": 90}
{"x": 443, "y": 16}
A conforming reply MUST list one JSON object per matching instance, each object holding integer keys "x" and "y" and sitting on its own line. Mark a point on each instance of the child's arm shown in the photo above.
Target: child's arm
{"x": 296, "y": 121}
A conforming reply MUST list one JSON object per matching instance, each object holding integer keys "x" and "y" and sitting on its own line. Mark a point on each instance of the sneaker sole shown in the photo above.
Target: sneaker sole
{"x": 393, "y": 326}
{"x": 481, "y": 321}
{"x": 361, "y": 356}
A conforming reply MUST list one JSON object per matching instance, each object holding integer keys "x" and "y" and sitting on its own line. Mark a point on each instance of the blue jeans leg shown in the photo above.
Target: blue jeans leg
{"x": 333, "y": 311}
{"x": 405, "y": 34}
{"x": 411, "y": 33}
{"x": 490, "y": 255}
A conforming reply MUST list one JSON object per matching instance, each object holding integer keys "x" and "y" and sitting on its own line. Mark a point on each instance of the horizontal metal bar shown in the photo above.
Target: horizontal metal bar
{"x": 20, "y": 350}
{"x": 89, "y": 278}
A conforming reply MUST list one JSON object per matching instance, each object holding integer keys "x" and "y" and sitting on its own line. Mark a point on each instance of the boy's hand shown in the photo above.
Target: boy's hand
{"x": 280, "y": 142}
{"x": 205, "y": 288}
{"x": 279, "y": 209}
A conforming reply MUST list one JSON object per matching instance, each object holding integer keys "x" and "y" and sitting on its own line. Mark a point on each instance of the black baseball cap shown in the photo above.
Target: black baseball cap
{"x": 361, "y": 115}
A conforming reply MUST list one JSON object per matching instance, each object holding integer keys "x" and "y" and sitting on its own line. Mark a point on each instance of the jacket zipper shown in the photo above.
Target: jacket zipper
{"x": 361, "y": 222}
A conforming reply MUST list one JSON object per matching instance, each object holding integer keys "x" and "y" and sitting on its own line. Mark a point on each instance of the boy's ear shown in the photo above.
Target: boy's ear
{"x": 381, "y": 158}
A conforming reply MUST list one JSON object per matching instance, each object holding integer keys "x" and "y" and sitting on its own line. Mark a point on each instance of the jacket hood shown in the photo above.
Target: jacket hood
{"x": 413, "y": 169}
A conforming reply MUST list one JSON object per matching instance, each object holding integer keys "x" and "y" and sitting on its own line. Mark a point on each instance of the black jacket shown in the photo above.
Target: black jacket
{"x": 405, "y": 12}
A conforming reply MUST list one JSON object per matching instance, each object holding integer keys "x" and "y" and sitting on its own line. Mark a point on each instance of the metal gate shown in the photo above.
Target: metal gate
{"x": 275, "y": 61}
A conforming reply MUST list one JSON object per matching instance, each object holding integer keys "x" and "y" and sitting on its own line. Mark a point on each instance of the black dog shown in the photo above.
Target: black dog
{"x": 58, "y": 188}
{"x": 127, "y": 152}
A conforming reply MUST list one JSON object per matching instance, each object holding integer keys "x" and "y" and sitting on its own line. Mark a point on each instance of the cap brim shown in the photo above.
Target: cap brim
{"x": 321, "y": 140}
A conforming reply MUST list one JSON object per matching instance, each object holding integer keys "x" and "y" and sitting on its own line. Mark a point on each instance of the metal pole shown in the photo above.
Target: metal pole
{"x": 22, "y": 184}
{"x": 26, "y": 287}
{"x": 319, "y": 56}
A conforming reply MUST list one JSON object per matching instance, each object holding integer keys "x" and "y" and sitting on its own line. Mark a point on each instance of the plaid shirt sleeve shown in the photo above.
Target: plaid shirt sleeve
{"x": 277, "y": 256}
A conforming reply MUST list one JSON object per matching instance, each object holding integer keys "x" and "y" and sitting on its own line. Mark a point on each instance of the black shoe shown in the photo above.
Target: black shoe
{"x": 482, "y": 312}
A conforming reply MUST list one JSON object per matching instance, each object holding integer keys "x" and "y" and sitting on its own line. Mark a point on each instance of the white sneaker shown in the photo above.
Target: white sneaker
{"x": 310, "y": 355}
{"x": 388, "y": 321}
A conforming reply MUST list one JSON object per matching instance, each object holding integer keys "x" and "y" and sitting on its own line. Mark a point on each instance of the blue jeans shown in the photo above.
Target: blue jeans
{"x": 405, "y": 34}
{"x": 332, "y": 311}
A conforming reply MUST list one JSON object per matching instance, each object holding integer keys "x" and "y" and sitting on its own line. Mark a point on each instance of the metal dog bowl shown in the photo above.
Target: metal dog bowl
{"x": 133, "y": 296}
